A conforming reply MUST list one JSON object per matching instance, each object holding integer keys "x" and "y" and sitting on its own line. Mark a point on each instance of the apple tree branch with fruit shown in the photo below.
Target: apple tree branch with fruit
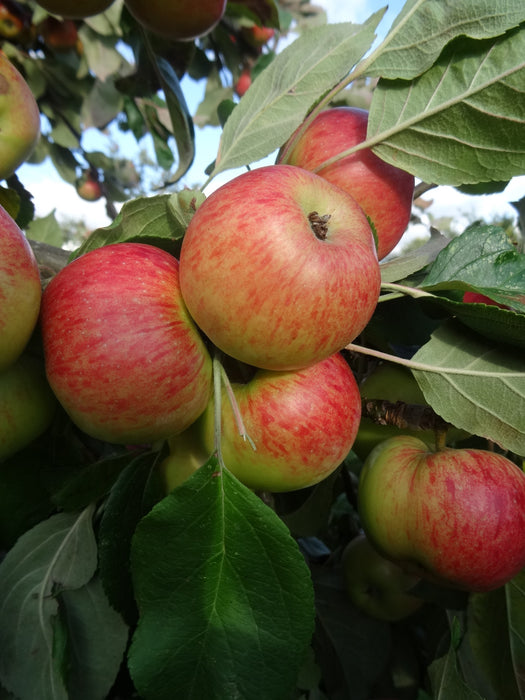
{"x": 246, "y": 450}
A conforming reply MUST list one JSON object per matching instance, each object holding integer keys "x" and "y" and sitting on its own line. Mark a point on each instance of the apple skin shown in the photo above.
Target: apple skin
{"x": 376, "y": 585}
{"x": 262, "y": 285}
{"x": 476, "y": 298}
{"x": 183, "y": 20}
{"x": 302, "y": 422}
{"x": 27, "y": 404}
{"x": 383, "y": 191}
{"x": 89, "y": 189}
{"x": 455, "y": 517}
{"x": 75, "y": 9}
{"x": 19, "y": 119}
{"x": 122, "y": 354}
{"x": 59, "y": 35}
{"x": 20, "y": 290}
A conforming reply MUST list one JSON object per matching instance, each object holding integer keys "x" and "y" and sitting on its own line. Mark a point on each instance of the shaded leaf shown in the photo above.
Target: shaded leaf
{"x": 57, "y": 554}
{"x": 46, "y": 229}
{"x": 474, "y": 385}
{"x": 414, "y": 261}
{"x": 515, "y": 594}
{"x": 423, "y": 27}
{"x": 225, "y": 597}
{"x": 281, "y": 96}
{"x": 96, "y": 641}
{"x": 461, "y": 122}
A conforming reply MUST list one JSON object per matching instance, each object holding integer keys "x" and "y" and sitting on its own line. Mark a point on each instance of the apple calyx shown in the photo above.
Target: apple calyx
{"x": 319, "y": 224}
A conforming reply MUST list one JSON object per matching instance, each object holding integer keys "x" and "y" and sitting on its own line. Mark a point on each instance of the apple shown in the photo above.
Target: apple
{"x": 375, "y": 585}
{"x": 19, "y": 119}
{"x": 278, "y": 268}
{"x": 59, "y": 35}
{"x": 301, "y": 425}
{"x": 184, "y": 20}
{"x": 20, "y": 290}
{"x": 392, "y": 382}
{"x": 11, "y": 25}
{"x": 89, "y": 188}
{"x": 257, "y": 36}
{"x": 243, "y": 83}
{"x": 27, "y": 404}
{"x": 476, "y": 298}
{"x": 455, "y": 516}
{"x": 186, "y": 454}
{"x": 122, "y": 354}
{"x": 384, "y": 191}
{"x": 75, "y": 9}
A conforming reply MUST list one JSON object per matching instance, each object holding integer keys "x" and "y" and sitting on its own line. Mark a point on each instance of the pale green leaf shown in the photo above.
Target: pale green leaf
{"x": 57, "y": 554}
{"x": 424, "y": 27}
{"x": 281, "y": 96}
{"x": 474, "y": 385}
{"x": 461, "y": 122}
{"x": 225, "y": 596}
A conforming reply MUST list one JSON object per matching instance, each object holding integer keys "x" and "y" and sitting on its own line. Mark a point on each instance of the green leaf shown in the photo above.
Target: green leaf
{"x": 474, "y": 385}
{"x": 224, "y": 594}
{"x": 46, "y": 229}
{"x": 281, "y": 96}
{"x": 414, "y": 261}
{"x": 485, "y": 261}
{"x": 462, "y": 121}
{"x": 447, "y": 680}
{"x": 96, "y": 641}
{"x": 57, "y": 554}
{"x": 424, "y": 27}
{"x": 484, "y": 655}
{"x": 144, "y": 219}
{"x": 515, "y": 594}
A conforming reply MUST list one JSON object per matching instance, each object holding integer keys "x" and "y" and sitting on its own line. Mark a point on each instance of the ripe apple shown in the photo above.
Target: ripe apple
{"x": 384, "y": 191}
{"x": 184, "y": 20}
{"x": 375, "y": 585}
{"x": 455, "y": 516}
{"x": 59, "y": 35}
{"x": 257, "y": 36}
{"x": 302, "y": 424}
{"x": 278, "y": 267}
{"x": 89, "y": 188}
{"x": 244, "y": 82}
{"x": 187, "y": 454}
{"x": 75, "y": 9}
{"x": 476, "y": 298}
{"x": 27, "y": 404}
{"x": 19, "y": 119}
{"x": 122, "y": 354}
{"x": 20, "y": 290}
{"x": 11, "y": 25}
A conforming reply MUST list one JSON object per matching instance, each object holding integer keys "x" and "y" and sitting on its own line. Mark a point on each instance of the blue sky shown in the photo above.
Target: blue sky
{"x": 50, "y": 192}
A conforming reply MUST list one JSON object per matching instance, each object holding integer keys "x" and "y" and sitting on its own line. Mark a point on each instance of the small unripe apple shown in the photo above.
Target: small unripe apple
{"x": 89, "y": 189}
{"x": 257, "y": 36}
{"x": 184, "y": 20}
{"x": 383, "y": 191}
{"x": 27, "y": 404}
{"x": 75, "y": 9}
{"x": 279, "y": 269}
{"x": 455, "y": 516}
{"x": 376, "y": 585}
{"x": 20, "y": 290}
{"x": 244, "y": 82}
{"x": 301, "y": 425}
{"x": 11, "y": 26}
{"x": 122, "y": 354}
{"x": 19, "y": 119}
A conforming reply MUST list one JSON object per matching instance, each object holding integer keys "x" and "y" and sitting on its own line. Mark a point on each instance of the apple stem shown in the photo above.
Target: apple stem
{"x": 441, "y": 440}
{"x": 319, "y": 224}
{"x": 235, "y": 408}
{"x": 217, "y": 412}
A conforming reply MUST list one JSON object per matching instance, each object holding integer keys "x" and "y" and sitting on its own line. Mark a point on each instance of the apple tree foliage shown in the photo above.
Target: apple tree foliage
{"x": 109, "y": 588}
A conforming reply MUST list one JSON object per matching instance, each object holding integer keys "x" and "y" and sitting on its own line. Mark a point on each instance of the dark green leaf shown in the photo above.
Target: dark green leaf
{"x": 57, "y": 554}
{"x": 225, "y": 597}
{"x": 515, "y": 593}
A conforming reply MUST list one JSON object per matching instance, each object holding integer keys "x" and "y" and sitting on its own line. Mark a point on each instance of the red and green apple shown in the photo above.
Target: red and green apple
{"x": 122, "y": 354}
{"x": 300, "y": 423}
{"x": 184, "y": 20}
{"x": 384, "y": 191}
{"x": 278, "y": 268}
{"x": 20, "y": 290}
{"x": 75, "y": 9}
{"x": 453, "y": 516}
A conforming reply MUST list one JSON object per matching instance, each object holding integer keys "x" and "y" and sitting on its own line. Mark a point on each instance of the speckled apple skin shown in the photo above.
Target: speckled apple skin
{"x": 456, "y": 516}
